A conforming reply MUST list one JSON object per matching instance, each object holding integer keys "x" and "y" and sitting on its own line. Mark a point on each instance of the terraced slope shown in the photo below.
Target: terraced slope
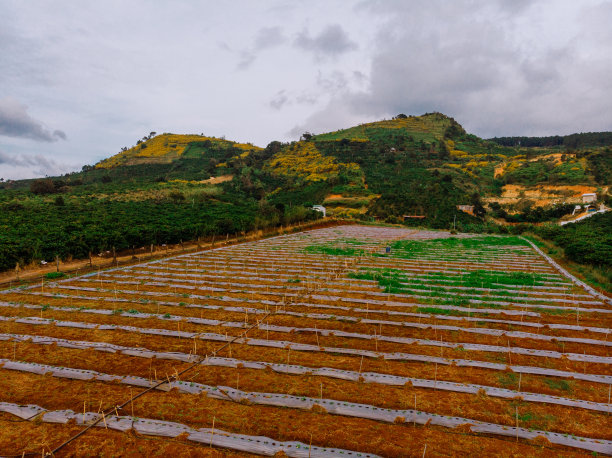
{"x": 351, "y": 341}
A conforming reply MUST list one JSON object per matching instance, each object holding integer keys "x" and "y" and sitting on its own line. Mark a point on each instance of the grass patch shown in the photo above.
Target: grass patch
{"x": 508, "y": 380}
{"x": 54, "y": 275}
{"x": 334, "y": 250}
{"x": 439, "y": 311}
{"x": 552, "y": 311}
{"x": 412, "y": 247}
{"x": 560, "y": 384}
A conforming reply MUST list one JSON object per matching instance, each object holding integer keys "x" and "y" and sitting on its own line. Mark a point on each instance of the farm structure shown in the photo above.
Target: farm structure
{"x": 589, "y": 197}
{"x": 319, "y": 343}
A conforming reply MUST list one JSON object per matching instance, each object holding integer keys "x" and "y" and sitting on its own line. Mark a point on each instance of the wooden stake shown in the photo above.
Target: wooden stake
{"x": 212, "y": 432}
{"x": 424, "y": 450}
{"x": 310, "y": 446}
{"x": 436, "y": 377}
{"x": 415, "y": 410}
{"x": 517, "y": 424}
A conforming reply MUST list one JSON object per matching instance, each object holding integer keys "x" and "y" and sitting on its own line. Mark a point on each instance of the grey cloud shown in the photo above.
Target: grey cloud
{"x": 332, "y": 82}
{"x": 59, "y": 134}
{"x": 246, "y": 59}
{"x": 472, "y": 67}
{"x": 37, "y": 164}
{"x": 279, "y": 100}
{"x": 16, "y": 122}
{"x": 306, "y": 98}
{"x": 332, "y": 41}
{"x": 266, "y": 38}
{"x": 269, "y": 37}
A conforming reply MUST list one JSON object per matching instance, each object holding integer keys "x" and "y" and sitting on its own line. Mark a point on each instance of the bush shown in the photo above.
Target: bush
{"x": 177, "y": 196}
{"x": 43, "y": 186}
{"x": 54, "y": 275}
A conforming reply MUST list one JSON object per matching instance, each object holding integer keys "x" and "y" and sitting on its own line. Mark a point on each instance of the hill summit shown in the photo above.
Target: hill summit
{"x": 166, "y": 148}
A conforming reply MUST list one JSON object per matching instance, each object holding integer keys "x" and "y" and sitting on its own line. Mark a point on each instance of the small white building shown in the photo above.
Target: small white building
{"x": 319, "y": 208}
{"x": 589, "y": 197}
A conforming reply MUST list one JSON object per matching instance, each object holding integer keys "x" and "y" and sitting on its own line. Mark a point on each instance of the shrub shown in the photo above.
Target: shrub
{"x": 54, "y": 275}
{"x": 43, "y": 186}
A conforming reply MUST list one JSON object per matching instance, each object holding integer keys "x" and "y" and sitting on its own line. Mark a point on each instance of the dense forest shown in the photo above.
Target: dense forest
{"x": 574, "y": 141}
{"x": 586, "y": 242}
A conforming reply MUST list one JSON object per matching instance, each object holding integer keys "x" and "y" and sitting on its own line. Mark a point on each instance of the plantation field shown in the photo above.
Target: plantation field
{"x": 353, "y": 341}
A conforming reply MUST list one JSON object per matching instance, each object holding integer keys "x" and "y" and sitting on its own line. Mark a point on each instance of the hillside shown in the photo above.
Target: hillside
{"x": 167, "y": 148}
{"x": 173, "y": 187}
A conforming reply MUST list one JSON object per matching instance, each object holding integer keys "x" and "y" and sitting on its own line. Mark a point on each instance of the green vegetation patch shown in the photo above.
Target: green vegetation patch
{"x": 396, "y": 281}
{"x": 412, "y": 248}
{"x": 54, "y": 275}
{"x": 560, "y": 384}
{"x": 332, "y": 250}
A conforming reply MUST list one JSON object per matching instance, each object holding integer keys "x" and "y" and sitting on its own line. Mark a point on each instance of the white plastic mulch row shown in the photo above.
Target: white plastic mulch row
{"x": 318, "y": 297}
{"x": 365, "y": 377}
{"x": 365, "y": 411}
{"x": 302, "y": 290}
{"x": 356, "y": 288}
{"x": 260, "y": 445}
{"x": 178, "y": 356}
{"x": 323, "y": 316}
{"x": 326, "y": 297}
{"x": 276, "y": 277}
{"x": 423, "y": 266}
{"x": 313, "y": 270}
{"x": 280, "y": 255}
{"x": 290, "y": 330}
{"x": 327, "y": 331}
{"x": 351, "y": 283}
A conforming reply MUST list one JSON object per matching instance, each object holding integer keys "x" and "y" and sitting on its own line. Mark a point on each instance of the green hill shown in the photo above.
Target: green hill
{"x": 173, "y": 187}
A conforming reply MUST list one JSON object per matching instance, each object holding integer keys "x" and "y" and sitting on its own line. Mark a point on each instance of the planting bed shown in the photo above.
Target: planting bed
{"x": 349, "y": 341}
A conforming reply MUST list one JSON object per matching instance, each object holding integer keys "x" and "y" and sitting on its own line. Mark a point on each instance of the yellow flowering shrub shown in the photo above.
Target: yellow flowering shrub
{"x": 304, "y": 160}
{"x": 165, "y": 148}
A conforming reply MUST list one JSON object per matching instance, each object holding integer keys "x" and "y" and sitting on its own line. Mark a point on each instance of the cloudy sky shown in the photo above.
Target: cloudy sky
{"x": 80, "y": 79}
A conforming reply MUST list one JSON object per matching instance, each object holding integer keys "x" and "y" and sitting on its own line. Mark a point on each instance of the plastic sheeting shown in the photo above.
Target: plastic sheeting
{"x": 366, "y": 377}
{"x": 144, "y": 353}
{"x": 252, "y": 444}
{"x": 323, "y": 331}
{"x": 299, "y": 346}
{"x": 266, "y": 446}
{"x": 322, "y": 316}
